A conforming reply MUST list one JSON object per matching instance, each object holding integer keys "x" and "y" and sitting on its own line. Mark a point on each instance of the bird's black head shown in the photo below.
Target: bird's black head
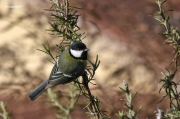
{"x": 78, "y": 50}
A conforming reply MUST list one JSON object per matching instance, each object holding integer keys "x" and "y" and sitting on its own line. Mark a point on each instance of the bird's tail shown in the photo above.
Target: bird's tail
{"x": 38, "y": 91}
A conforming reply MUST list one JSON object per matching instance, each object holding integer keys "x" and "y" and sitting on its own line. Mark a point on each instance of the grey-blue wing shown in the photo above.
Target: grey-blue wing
{"x": 58, "y": 78}
{"x": 54, "y": 69}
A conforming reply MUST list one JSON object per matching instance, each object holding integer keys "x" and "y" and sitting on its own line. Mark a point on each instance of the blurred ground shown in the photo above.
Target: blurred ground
{"x": 122, "y": 32}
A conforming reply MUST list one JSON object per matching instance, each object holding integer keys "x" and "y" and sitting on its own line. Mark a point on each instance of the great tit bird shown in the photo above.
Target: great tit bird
{"x": 69, "y": 66}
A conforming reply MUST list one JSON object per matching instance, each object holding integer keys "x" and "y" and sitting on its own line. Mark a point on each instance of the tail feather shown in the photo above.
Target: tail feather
{"x": 38, "y": 91}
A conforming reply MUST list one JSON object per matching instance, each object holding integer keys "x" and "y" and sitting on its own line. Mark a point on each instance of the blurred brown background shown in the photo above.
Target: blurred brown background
{"x": 122, "y": 32}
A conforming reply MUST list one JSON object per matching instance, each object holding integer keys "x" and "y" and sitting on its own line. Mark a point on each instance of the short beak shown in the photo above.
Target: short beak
{"x": 87, "y": 49}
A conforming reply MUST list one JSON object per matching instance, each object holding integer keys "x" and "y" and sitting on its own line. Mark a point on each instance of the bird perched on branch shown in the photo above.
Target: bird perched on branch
{"x": 69, "y": 66}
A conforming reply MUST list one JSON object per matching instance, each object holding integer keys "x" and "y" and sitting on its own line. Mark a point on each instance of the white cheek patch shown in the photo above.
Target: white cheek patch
{"x": 76, "y": 53}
